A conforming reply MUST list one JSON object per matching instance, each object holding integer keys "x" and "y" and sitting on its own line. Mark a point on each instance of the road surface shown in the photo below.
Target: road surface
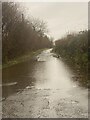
{"x": 43, "y": 88}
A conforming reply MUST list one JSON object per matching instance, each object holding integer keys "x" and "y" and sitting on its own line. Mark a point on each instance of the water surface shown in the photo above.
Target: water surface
{"x": 50, "y": 84}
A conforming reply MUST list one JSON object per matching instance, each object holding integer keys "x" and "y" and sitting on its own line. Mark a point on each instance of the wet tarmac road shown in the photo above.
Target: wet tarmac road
{"x": 43, "y": 88}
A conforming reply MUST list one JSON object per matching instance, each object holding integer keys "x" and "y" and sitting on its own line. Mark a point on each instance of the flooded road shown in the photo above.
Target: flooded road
{"x": 43, "y": 88}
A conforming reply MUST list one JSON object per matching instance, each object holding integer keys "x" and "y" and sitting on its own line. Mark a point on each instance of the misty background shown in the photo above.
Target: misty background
{"x": 61, "y": 18}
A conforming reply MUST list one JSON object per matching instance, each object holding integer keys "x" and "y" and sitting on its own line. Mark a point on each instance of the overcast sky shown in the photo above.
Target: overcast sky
{"x": 61, "y": 18}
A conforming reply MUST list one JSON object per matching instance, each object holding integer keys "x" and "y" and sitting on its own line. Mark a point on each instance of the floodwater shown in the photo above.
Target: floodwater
{"x": 43, "y": 88}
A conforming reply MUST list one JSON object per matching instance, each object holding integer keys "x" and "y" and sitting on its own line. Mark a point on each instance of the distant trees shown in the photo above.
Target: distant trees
{"x": 20, "y": 35}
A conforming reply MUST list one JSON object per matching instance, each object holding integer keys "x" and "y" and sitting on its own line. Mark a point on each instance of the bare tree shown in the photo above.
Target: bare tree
{"x": 21, "y": 35}
{"x": 39, "y": 26}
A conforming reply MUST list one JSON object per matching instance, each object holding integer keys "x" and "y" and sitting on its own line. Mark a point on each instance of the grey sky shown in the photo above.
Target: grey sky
{"x": 61, "y": 17}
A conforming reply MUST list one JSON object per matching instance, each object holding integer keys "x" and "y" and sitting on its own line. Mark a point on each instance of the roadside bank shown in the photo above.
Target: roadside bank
{"x": 22, "y": 58}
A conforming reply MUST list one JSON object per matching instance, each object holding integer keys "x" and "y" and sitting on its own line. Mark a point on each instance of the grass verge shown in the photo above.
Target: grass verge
{"x": 21, "y": 59}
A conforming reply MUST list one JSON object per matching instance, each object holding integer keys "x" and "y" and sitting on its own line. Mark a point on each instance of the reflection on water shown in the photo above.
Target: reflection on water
{"x": 22, "y": 74}
{"x": 8, "y": 84}
{"x": 45, "y": 88}
{"x": 52, "y": 74}
{"x": 47, "y": 72}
